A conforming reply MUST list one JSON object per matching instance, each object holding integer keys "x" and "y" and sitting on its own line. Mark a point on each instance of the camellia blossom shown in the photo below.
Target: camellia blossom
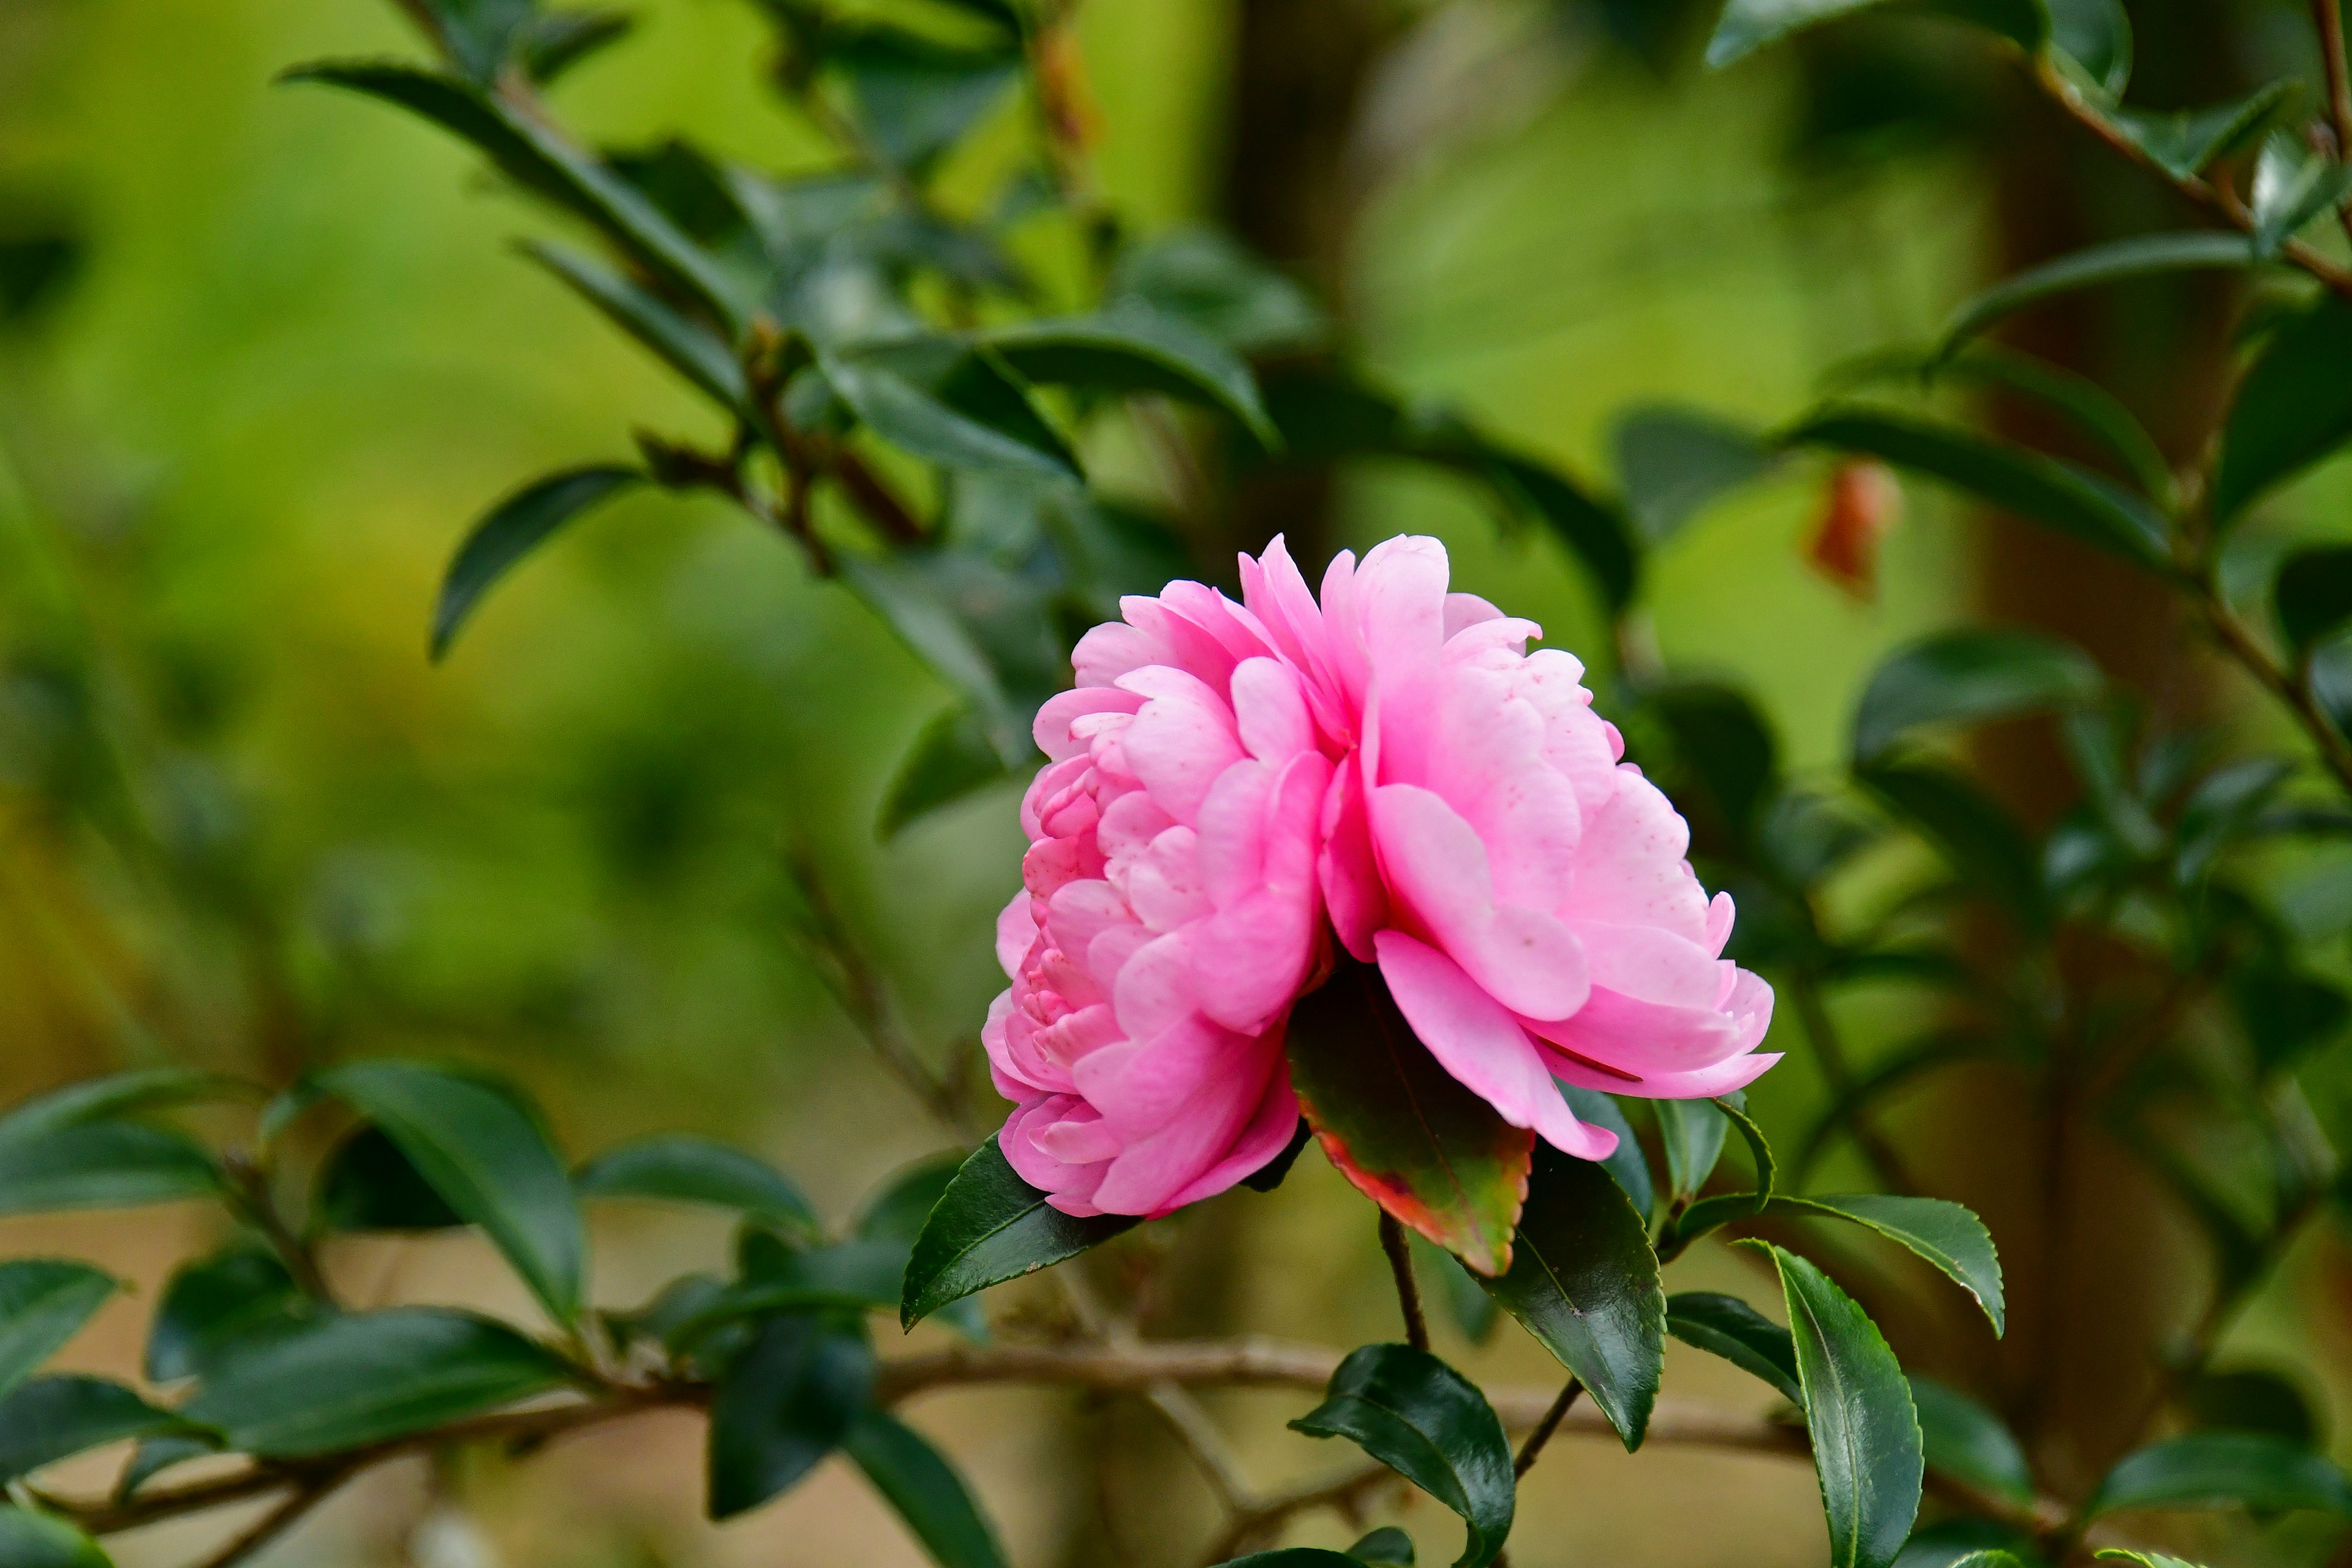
{"x": 1232, "y": 788}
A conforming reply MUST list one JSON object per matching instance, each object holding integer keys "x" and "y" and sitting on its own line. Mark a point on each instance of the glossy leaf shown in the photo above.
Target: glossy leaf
{"x": 1428, "y": 1423}
{"x": 1625, "y": 1163}
{"x": 2223, "y": 1469}
{"x": 356, "y": 1378}
{"x": 1692, "y": 1132}
{"x": 1970, "y": 676}
{"x": 1400, "y": 1127}
{"x": 1991, "y": 1557}
{"x": 1674, "y": 462}
{"x": 2045, "y": 490}
{"x": 2117, "y": 261}
{"x": 2293, "y": 407}
{"x": 2313, "y": 592}
{"x": 43, "y": 1302}
{"x": 2181, "y": 141}
{"x": 990, "y": 1226}
{"x": 1865, "y": 1438}
{"x": 2292, "y": 188}
{"x": 489, "y": 1159}
{"x": 680, "y": 1168}
{"x": 925, "y": 1490}
{"x": 688, "y": 347}
{"x": 31, "y": 1540}
{"x": 1759, "y": 1152}
{"x": 1387, "y": 1547}
{"x": 1130, "y": 347}
{"x": 2145, "y": 1559}
{"x": 851, "y": 1277}
{"x": 216, "y": 1304}
{"x": 1968, "y": 1443}
{"x": 531, "y": 154}
{"x": 102, "y": 1164}
{"x": 511, "y": 530}
{"x": 783, "y": 1404}
{"x": 1943, "y": 1233}
{"x": 1747, "y": 26}
{"x": 368, "y": 1183}
{"x": 1585, "y": 1282}
{"x": 46, "y": 1419}
{"x": 2094, "y": 39}
{"x": 953, "y": 757}
{"x": 1728, "y": 1326}
{"x": 948, "y": 402}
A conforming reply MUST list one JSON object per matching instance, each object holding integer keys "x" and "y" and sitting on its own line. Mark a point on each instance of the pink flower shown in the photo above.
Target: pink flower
{"x": 1232, "y": 785}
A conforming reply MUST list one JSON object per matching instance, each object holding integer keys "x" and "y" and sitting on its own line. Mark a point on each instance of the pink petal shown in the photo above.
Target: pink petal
{"x": 1350, "y": 875}
{"x": 1630, "y": 869}
{"x": 1052, "y": 728}
{"x": 1154, "y": 989}
{"x": 1270, "y": 710}
{"x": 1267, "y": 1134}
{"x": 1163, "y": 883}
{"x": 1016, "y": 933}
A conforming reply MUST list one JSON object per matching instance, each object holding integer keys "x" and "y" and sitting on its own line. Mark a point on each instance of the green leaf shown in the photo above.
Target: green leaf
{"x": 1387, "y": 1547}
{"x": 46, "y": 1419}
{"x": 916, "y": 98}
{"x": 1428, "y": 1423}
{"x": 1585, "y": 1283}
{"x": 1993, "y": 1557}
{"x": 217, "y": 1304}
{"x": 489, "y": 1159}
{"x": 153, "y": 1456}
{"x": 1474, "y": 1311}
{"x": 1968, "y": 1443}
{"x": 1624, "y": 1163}
{"x": 1130, "y": 347}
{"x": 368, "y": 1183}
{"x": 1971, "y": 675}
{"x": 1594, "y": 533}
{"x": 2292, "y": 188}
{"x": 535, "y": 157}
{"x": 1865, "y": 1438}
{"x": 2293, "y": 407}
{"x": 1673, "y": 462}
{"x": 924, "y": 614}
{"x": 1944, "y": 1233}
{"x": 2181, "y": 141}
{"x": 512, "y": 530}
{"x": 1692, "y": 1132}
{"x": 925, "y": 1490}
{"x": 101, "y": 1164}
{"x": 782, "y": 1406}
{"x": 950, "y": 403}
{"x": 553, "y": 42}
{"x": 953, "y": 758}
{"x": 350, "y": 1379}
{"x": 2251, "y": 1400}
{"x": 1728, "y": 1326}
{"x": 852, "y": 1277}
{"x": 2041, "y": 489}
{"x": 680, "y": 1168}
{"x": 1400, "y": 1127}
{"x": 1277, "y": 1171}
{"x": 2095, "y": 37}
{"x": 1747, "y": 26}
{"x": 1205, "y": 278}
{"x": 30, "y": 1540}
{"x": 1294, "y": 1557}
{"x": 115, "y": 1095}
{"x": 688, "y": 347}
{"x": 2117, "y": 261}
{"x": 989, "y": 1227}
{"x": 1986, "y": 846}
{"x": 2314, "y": 594}
{"x": 43, "y": 1302}
{"x": 2223, "y": 1469}
{"x": 902, "y": 1204}
{"x": 2145, "y": 1559}
{"x": 1724, "y": 760}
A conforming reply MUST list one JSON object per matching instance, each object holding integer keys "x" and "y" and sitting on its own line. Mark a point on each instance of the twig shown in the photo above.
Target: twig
{"x": 249, "y": 1189}
{"x": 1204, "y": 1442}
{"x": 1532, "y": 1449}
{"x": 277, "y": 1520}
{"x": 1259, "y": 1521}
{"x": 1416, "y": 1325}
{"x": 2293, "y": 688}
{"x": 2328, "y": 16}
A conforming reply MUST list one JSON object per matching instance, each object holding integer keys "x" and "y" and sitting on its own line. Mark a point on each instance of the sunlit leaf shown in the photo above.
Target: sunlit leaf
{"x": 2293, "y": 188}
{"x": 1428, "y": 1423}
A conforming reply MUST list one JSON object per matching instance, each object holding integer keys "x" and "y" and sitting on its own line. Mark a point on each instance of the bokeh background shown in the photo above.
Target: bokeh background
{"x": 265, "y": 350}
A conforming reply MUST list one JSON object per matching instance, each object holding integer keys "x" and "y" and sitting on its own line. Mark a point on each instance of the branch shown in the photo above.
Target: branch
{"x": 1532, "y": 1450}
{"x": 1392, "y": 1241}
{"x": 1257, "y": 1523}
{"x": 2292, "y": 688}
{"x": 2328, "y": 16}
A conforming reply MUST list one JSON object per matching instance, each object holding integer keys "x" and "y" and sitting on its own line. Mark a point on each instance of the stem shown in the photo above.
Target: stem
{"x": 277, "y": 1520}
{"x": 2292, "y": 688}
{"x": 1532, "y": 1449}
{"x": 250, "y": 1189}
{"x": 1416, "y": 1325}
{"x": 2328, "y": 16}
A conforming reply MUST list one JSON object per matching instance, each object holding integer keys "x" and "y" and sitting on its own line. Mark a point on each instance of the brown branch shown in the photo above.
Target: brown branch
{"x": 277, "y": 1520}
{"x": 2290, "y": 688}
{"x": 1532, "y": 1449}
{"x": 1257, "y": 1523}
{"x": 2328, "y": 16}
{"x": 1392, "y": 1241}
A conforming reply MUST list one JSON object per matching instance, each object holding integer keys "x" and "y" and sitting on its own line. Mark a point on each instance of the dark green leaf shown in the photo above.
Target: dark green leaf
{"x": 368, "y": 1184}
{"x": 51, "y": 1418}
{"x": 1428, "y": 1423}
{"x": 1970, "y": 676}
{"x": 1474, "y": 1311}
{"x": 1968, "y": 1443}
{"x": 1592, "y": 532}
{"x": 990, "y": 1226}
{"x": 2094, "y": 37}
{"x": 357, "y": 1378}
{"x": 951, "y": 759}
{"x": 688, "y": 347}
{"x": 512, "y": 530}
{"x": 43, "y": 1302}
{"x": 1624, "y": 1163}
{"x": 1400, "y": 1127}
{"x": 2117, "y": 261}
{"x": 900, "y": 1207}
{"x": 1993, "y": 1557}
{"x": 2252, "y": 1401}
{"x": 1986, "y": 846}
{"x": 1387, "y": 1547}
{"x": 1206, "y": 278}
{"x": 1673, "y": 462}
{"x": 2224, "y": 1469}
{"x": 683, "y": 1169}
{"x": 1747, "y": 26}
{"x": 216, "y": 1304}
{"x": 2293, "y": 188}
{"x": 2145, "y": 1559}
{"x": 949, "y": 403}
{"x": 1735, "y": 1106}
{"x": 489, "y": 1159}
{"x": 534, "y": 157}
{"x": 1944, "y": 1234}
{"x": 2293, "y": 408}
{"x": 915, "y": 98}
{"x": 1293, "y": 1557}
{"x": 2181, "y": 141}
{"x": 1865, "y": 1438}
{"x": 782, "y": 1406}
{"x": 153, "y": 1456}
{"x": 1131, "y": 347}
{"x": 2041, "y": 489}
{"x": 853, "y": 1276}
{"x": 101, "y": 1164}
{"x": 2314, "y": 593}
{"x": 1584, "y": 1281}
{"x": 116, "y": 1095}
{"x": 555, "y": 41}
{"x": 923, "y": 613}
{"x": 1724, "y": 751}
{"x": 1691, "y": 1132}
{"x": 29, "y": 1539}
{"x": 1272, "y": 1174}
{"x": 2287, "y": 1014}
{"x": 925, "y": 1490}
{"x": 1728, "y": 1326}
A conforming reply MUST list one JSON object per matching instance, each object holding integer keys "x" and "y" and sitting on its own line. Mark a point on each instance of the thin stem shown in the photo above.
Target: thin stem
{"x": 249, "y": 1189}
{"x": 1416, "y": 1325}
{"x": 2328, "y": 16}
{"x": 277, "y": 1520}
{"x": 1532, "y": 1449}
{"x": 1204, "y": 1442}
{"x": 2292, "y": 688}
{"x": 1257, "y": 1523}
